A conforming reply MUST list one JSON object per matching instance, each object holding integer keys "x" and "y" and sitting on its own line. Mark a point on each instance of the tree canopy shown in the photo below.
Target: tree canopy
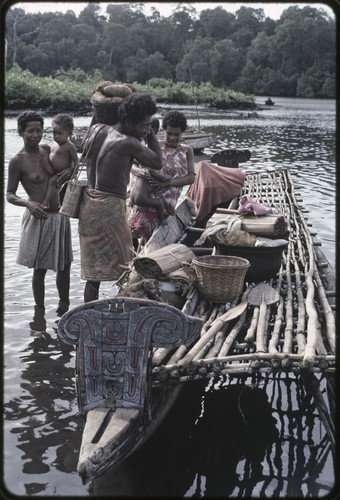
{"x": 245, "y": 52}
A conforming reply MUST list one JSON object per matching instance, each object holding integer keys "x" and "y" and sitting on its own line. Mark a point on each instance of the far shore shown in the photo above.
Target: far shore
{"x": 87, "y": 110}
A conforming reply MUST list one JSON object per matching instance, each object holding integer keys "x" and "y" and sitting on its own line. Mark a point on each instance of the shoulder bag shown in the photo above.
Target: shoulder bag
{"x": 74, "y": 188}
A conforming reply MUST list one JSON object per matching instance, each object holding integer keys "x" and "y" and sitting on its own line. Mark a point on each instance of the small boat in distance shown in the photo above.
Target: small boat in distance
{"x": 197, "y": 140}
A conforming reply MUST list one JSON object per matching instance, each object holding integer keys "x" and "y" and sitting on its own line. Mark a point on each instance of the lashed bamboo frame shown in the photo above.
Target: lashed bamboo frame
{"x": 300, "y": 329}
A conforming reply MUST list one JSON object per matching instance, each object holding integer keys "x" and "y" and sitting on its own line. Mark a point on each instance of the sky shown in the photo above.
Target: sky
{"x": 272, "y": 10}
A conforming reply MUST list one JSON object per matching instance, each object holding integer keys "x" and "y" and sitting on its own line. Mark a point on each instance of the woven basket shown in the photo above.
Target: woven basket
{"x": 106, "y": 113}
{"x": 220, "y": 278}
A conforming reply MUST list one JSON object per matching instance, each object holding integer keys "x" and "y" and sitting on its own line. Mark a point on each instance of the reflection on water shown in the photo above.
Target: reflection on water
{"x": 43, "y": 415}
{"x": 262, "y": 439}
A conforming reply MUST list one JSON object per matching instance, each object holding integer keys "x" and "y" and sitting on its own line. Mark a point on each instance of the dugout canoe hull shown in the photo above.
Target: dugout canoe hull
{"x": 109, "y": 437}
{"x": 114, "y": 341}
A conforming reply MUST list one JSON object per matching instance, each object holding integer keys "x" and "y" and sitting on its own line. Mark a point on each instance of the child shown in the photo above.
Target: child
{"x": 63, "y": 153}
{"x": 142, "y": 189}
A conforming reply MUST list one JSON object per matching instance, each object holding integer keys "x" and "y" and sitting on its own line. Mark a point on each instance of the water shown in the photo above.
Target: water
{"x": 216, "y": 442}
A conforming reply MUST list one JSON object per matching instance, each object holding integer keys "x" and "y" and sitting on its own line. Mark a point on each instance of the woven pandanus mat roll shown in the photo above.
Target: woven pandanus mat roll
{"x": 163, "y": 261}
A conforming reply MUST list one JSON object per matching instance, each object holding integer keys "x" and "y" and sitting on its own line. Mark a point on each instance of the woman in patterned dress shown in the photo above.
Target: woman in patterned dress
{"x": 178, "y": 165}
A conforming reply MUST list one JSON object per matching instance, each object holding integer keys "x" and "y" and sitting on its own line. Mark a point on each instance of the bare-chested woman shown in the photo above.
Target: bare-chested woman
{"x": 105, "y": 238}
{"x": 45, "y": 241}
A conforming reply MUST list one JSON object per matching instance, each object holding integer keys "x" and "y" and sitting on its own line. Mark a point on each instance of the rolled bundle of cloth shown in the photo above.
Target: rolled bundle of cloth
{"x": 214, "y": 185}
{"x": 241, "y": 230}
{"x": 220, "y": 228}
{"x": 262, "y": 225}
{"x": 163, "y": 261}
{"x": 265, "y": 225}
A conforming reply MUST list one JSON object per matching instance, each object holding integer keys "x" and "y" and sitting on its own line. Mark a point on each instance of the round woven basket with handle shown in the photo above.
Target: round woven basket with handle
{"x": 220, "y": 278}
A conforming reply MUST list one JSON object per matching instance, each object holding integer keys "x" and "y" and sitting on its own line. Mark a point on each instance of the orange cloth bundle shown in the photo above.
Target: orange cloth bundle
{"x": 214, "y": 185}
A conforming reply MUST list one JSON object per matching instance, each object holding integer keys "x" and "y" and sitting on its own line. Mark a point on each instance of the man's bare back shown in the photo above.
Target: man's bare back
{"x": 110, "y": 164}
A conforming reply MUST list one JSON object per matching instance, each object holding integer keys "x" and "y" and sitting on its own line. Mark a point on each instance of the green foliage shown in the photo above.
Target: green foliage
{"x": 22, "y": 87}
{"x": 245, "y": 51}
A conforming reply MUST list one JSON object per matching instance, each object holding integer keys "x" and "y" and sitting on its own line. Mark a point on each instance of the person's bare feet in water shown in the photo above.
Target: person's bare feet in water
{"x": 63, "y": 307}
{"x": 39, "y": 322}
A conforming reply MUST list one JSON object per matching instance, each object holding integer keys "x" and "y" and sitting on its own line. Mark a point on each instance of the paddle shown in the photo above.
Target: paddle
{"x": 213, "y": 330}
{"x": 262, "y": 295}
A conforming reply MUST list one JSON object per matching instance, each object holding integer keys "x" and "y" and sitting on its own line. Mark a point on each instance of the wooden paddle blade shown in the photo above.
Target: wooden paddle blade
{"x": 263, "y": 293}
{"x": 234, "y": 312}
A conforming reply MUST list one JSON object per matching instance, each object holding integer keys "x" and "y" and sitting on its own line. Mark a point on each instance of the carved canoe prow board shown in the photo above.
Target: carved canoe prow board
{"x": 114, "y": 339}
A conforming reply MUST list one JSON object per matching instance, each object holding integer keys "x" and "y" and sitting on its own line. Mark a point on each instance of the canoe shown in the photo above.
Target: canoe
{"x": 197, "y": 140}
{"x": 133, "y": 354}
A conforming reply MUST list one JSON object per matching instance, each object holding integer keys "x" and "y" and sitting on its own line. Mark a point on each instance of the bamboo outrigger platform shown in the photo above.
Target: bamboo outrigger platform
{"x": 299, "y": 331}
{"x": 134, "y": 354}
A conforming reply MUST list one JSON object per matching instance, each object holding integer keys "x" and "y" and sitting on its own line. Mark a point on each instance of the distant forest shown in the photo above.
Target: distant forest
{"x": 245, "y": 52}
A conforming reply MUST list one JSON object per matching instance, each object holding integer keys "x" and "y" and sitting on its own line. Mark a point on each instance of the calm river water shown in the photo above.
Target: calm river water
{"x": 263, "y": 438}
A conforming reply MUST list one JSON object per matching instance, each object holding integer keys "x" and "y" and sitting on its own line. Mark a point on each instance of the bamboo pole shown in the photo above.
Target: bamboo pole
{"x": 231, "y": 336}
{"x": 274, "y": 340}
{"x": 265, "y": 356}
{"x": 243, "y": 369}
{"x": 160, "y": 353}
{"x": 209, "y": 334}
{"x": 230, "y": 361}
{"x": 217, "y": 344}
{"x": 327, "y": 310}
{"x": 288, "y": 331}
{"x": 250, "y": 336}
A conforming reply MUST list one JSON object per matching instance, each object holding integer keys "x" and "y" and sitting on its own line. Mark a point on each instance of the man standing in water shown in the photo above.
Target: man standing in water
{"x": 45, "y": 241}
{"x": 105, "y": 238}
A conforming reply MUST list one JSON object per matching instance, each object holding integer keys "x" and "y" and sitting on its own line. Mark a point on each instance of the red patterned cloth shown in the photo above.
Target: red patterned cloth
{"x": 142, "y": 223}
{"x": 214, "y": 185}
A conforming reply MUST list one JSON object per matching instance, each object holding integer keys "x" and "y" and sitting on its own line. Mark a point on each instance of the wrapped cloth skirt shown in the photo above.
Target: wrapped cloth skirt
{"x": 45, "y": 243}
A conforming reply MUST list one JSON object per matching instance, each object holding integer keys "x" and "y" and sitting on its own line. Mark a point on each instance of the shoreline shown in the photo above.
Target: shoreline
{"x": 87, "y": 110}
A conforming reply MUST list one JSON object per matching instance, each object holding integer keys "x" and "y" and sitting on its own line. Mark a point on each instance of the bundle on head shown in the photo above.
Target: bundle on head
{"x": 105, "y": 101}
